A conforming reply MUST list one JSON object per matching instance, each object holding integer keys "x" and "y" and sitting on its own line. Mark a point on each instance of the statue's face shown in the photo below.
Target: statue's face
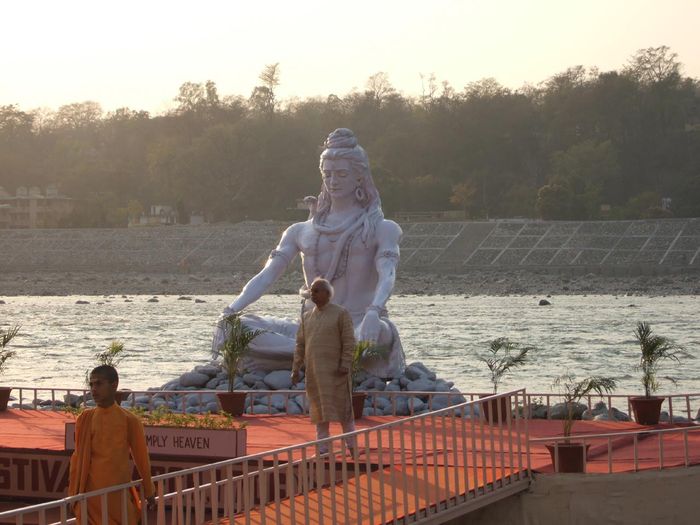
{"x": 337, "y": 178}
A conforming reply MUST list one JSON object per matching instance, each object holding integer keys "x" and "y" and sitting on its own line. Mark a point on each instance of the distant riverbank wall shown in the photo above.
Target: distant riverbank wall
{"x": 607, "y": 247}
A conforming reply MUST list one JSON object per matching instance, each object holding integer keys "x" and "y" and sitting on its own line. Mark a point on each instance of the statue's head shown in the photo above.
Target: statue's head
{"x": 341, "y": 145}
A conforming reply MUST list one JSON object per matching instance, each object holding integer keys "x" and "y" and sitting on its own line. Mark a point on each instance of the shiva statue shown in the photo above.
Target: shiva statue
{"x": 345, "y": 240}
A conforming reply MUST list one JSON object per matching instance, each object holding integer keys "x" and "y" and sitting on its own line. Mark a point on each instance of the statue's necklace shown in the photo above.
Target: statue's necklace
{"x": 346, "y": 231}
{"x": 342, "y": 267}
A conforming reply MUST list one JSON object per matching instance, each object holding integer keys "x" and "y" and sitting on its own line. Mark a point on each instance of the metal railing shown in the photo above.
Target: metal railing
{"x": 686, "y": 405}
{"x": 686, "y": 401}
{"x": 438, "y": 463}
{"x": 37, "y": 398}
{"x": 622, "y": 450}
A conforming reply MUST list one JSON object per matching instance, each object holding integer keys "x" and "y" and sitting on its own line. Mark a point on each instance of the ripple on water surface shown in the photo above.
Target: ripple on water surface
{"x": 588, "y": 335}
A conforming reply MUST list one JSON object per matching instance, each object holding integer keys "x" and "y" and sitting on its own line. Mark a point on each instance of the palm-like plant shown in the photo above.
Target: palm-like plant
{"x": 366, "y": 350}
{"x": 573, "y": 390}
{"x": 235, "y": 345}
{"x": 5, "y": 337}
{"x": 654, "y": 348}
{"x": 502, "y": 358}
{"x": 112, "y": 356}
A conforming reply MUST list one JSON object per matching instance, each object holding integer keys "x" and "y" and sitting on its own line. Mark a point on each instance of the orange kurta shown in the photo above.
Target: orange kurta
{"x": 104, "y": 439}
{"x": 325, "y": 341}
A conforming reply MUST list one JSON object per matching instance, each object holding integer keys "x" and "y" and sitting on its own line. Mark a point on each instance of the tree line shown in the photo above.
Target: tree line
{"x": 583, "y": 144}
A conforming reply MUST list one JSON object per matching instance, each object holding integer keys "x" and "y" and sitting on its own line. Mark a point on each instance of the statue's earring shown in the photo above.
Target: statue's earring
{"x": 360, "y": 194}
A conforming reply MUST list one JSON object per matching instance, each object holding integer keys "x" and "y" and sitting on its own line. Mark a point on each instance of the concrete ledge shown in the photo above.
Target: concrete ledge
{"x": 668, "y": 496}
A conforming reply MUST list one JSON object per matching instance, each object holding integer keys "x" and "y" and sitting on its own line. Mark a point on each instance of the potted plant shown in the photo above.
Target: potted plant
{"x": 234, "y": 348}
{"x": 363, "y": 351}
{"x": 112, "y": 356}
{"x": 654, "y": 348}
{"x": 504, "y": 355}
{"x": 568, "y": 456}
{"x": 5, "y": 337}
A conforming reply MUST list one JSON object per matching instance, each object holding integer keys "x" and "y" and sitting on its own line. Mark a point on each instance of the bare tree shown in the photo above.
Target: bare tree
{"x": 263, "y": 97}
{"x": 78, "y": 114}
{"x": 430, "y": 90}
{"x": 191, "y": 96}
{"x": 654, "y": 64}
{"x": 379, "y": 88}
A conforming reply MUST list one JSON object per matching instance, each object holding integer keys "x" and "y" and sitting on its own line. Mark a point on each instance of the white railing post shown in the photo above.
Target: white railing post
{"x": 404, "y": 478}
{"x": 392, "y": 469}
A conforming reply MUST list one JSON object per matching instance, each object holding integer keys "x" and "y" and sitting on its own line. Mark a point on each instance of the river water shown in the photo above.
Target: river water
{"x": 581, "y": 334}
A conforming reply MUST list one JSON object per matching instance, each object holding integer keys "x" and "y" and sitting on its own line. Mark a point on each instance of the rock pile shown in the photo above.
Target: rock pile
{"x": 186, "y": 392}
{"x": 599, "y": 412}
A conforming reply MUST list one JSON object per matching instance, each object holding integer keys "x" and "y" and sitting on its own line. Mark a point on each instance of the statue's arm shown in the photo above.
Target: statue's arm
{"x": 386, "y": 261}
{"x": 275, "y": 266}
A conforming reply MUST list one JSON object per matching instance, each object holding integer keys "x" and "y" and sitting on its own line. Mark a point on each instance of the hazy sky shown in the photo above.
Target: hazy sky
{"x": 137, "y": 53}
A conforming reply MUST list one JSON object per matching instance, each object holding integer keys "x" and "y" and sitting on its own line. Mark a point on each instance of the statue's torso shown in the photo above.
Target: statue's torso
{"x": 355, "y": 278}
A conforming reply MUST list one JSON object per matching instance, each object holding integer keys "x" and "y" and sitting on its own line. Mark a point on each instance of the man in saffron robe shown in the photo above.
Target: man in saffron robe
{"x": 104, "y": 437}
{"x": 324, "y": 345}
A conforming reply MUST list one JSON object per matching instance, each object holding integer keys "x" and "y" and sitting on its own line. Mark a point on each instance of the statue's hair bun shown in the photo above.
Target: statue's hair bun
{"x": 341, "y": 138}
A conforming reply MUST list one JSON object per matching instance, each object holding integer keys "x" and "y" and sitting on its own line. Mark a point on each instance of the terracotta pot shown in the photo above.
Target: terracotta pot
{"x": 647, "y": 409}
{"x": 358, "y": 403}
{"x": 4, "y": 397}
{"x": 570, "y": 457}
{"x": 490, "y": 409}
{"x": 232, "y": 402}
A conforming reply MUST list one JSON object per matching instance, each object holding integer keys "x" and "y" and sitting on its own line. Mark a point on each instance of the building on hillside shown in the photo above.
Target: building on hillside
{"x": 197, "y": 219}
{"x": 159, "y": 215}
{"x": 30, "y": 208}
{"x": 4, "y": 216}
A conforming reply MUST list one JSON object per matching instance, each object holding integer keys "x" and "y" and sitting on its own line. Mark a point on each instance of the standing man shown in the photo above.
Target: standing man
{"x": 324, "y": 345}
{"x": 104, "y": 437}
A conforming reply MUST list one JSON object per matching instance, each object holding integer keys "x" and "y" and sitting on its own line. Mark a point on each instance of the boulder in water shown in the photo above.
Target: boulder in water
{"x": 195, "y": 379}
{"x": 559, "y": 411}
{"x": 210, "y": 370}
{"x": 278, "y": 380}
{"x": 421, "y": 385}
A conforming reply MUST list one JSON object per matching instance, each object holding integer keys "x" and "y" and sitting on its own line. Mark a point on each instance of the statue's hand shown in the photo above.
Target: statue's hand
{"x": 370, "y": 327}
{"x": 236, "y": 307}
{"x": 228, "y": 311}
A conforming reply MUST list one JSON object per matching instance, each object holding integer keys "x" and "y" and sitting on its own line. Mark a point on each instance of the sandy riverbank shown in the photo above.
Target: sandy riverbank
{"x": 508, "y": 282}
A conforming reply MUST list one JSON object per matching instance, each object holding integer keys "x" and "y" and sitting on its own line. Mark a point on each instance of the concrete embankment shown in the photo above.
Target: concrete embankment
{"x": 626, "y": 247}
{"x": 488, "y": 257}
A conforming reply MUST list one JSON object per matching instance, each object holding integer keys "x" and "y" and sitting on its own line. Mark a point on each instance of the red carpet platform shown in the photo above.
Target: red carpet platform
{"x": 33, "y": 458}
